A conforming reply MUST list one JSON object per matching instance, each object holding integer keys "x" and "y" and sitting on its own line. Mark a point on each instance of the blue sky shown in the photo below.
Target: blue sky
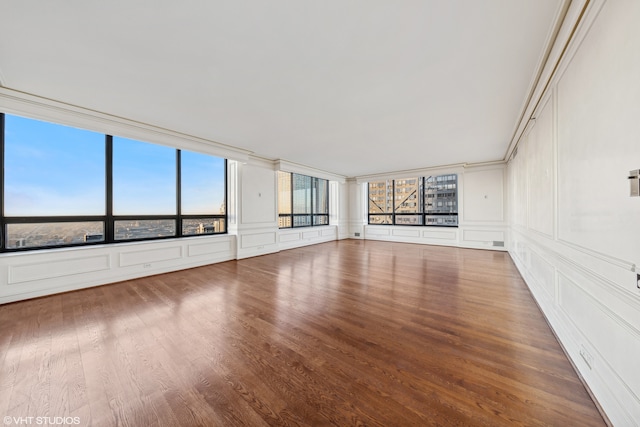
{"x": 58, "y": 170}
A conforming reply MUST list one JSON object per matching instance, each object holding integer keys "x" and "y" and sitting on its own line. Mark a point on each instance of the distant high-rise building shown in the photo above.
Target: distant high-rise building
{"x": 404, "y": 201}
{"x": 93, "y": 238}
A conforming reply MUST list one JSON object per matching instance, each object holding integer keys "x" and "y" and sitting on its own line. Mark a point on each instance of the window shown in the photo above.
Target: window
{"x": 64, "y": 186}
{"x": 303, "y": 201}
{"x": 408, "y": 201}
{"x": 381, "y": 202}
{"x": 53, "y": 184}
{"x": 284, "y": 200}
{"x": 429, "y": 201}
{"x": 52, "y": 170}
{"x": 320, "y": 197}
{"x": 144, "y": 178}
{"x": 203, "y": 194}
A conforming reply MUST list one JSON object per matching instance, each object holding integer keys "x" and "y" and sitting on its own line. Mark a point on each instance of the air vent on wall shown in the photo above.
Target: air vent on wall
{"x": 498, "y": 243}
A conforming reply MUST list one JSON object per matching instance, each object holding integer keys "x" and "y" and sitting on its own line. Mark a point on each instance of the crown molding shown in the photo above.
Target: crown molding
{"x": 287, "y": 166}
{"x": 453, "y": 168}
{"x": 32, "y": 106}
{"x": 569, "y": 31}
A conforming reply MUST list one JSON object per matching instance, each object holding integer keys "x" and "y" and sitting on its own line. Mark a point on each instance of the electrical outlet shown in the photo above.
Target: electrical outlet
{"x": 146, "y": 265}
{"x": 586, "y": 356}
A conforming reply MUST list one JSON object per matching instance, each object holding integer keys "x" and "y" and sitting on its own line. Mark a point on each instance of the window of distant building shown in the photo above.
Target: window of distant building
{"x": 64, "y": 186}
{"x": 303, "y": 201}
{"x": 429, "y": 201}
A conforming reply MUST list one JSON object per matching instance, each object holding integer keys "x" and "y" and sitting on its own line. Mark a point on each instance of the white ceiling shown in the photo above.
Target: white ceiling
{"x": 350, "y": 87}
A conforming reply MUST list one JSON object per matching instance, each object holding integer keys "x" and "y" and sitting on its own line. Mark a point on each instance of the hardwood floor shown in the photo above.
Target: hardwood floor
{"x": 342, "y": 333}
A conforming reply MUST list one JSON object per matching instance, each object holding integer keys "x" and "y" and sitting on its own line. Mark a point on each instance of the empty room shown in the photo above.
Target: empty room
{"x": 247, "y": 213}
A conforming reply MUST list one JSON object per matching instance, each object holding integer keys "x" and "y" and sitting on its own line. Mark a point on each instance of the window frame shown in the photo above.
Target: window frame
{"x": 108, "y": 219}
{"x": 313, "y": 208}
{"x": 443, "y": 219}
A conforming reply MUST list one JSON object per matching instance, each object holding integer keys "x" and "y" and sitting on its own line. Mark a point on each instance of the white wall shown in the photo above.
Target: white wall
{"x": 575, "y": 231}
{"x": 36, "y": 273}
{"x": 252, "y": 215}
{"x": 338, "y": 211}
{"x": 253, "y": 230}
{"x": 481, "y": 210}
{"x": 31, "y": 274}
{"x": 252, "y": 190}
{"x": 357, "y": 212}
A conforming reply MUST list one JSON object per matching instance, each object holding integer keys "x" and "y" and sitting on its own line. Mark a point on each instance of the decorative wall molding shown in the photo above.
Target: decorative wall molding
{"x": 287, "y": 166}
{"x": 24, "y": 104}
{"x": 557, "y": 252}
{"x": 290, "y": 238}
{"x": 20, "y": 273}
{"x": 559, "y": 39}
{"x": 584, "y": 14}
{"x": 147, "y": 256}
{"x": 208, "y": 248}
{"x": 624, "y": 264}
{"x": 457, "y": 168}
{"x": 600, "y": 376}
{"x": 26, "y": 275}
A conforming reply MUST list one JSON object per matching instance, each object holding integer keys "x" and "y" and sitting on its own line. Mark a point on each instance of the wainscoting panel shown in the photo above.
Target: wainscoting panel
{"x": 144, "y": 255}
{"x": 258, "y": 239}
{"x": 21, "y": 273}
{"x": 208, "y": 248}
{"x": 32, "y": 274}
{"x": 290, "y": 238}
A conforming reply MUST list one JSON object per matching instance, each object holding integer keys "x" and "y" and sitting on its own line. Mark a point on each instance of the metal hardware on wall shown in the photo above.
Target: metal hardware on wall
{"x": 634, "y": 181}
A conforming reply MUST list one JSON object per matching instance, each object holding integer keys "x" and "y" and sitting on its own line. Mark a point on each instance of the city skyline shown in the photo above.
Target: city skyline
{"x": 56, "y": 170}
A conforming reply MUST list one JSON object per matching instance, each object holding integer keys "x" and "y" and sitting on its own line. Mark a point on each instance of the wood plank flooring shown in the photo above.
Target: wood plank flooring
{"x": 343, "y": 333}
